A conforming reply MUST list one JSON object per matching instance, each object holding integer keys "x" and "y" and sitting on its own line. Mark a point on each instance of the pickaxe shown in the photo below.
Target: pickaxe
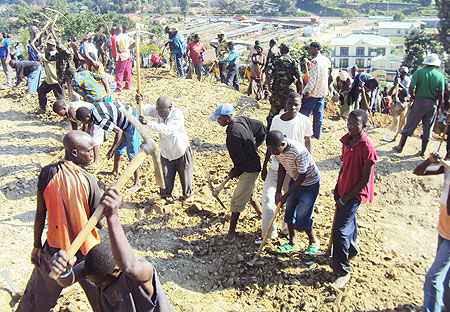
{"x": 215, "y": 192}
{"x": 148, "y": 147}
{"x": 4, "y": 272}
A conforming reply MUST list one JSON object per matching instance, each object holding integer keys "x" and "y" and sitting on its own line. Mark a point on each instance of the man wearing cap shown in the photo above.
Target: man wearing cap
{"x": 280, "y": 75}
{"x": 48, "y": 58}
{"x": 233, "y": 66}
{"x": 258, "y": 59}
{"x": 221, "y": 51}
{"x": 426, "y": 90}
{"x": 177, "y": 47}
{"x": 244, "y": 135}
{"x": 404, "y": 83}
{"x": 366, "y": 85}
{"x": 316, "y": 88}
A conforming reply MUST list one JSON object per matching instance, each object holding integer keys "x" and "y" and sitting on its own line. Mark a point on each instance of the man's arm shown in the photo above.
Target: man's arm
{"x": 169, "y": 129}
{"x": 19, "y": 74}
{"x": 264, "y": 166}
{"x": 235, "y": 148}
{"x": 280, "y": 179}
{"x": 138, "y": 270}
{"x": 293, "y": 187}
{"x": 312, "y": 79}
{"x": 411, "y": 92}
{"x": 440, "y": 95}
{"x": 308, "y": 144}
{"x": 106, "y": 85}
{"x": 422, "y": 169}
{"x": 39, "y": 223}
{"x": 117, "y": 140}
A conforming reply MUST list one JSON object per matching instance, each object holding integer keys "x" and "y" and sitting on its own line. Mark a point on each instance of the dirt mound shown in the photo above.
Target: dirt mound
{"x": 397, "y": 243}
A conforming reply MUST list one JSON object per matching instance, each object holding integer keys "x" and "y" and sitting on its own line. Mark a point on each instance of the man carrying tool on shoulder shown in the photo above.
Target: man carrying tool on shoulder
{"x": 69, "y": 195}
{"x": 244, "y": 135}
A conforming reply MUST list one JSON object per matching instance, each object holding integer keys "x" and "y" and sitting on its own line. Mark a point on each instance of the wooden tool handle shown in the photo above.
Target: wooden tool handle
{"x": 138, "y": 68}
{"x": 444, "y": 163}
{"x": 100, "y": 166}
{"x": 93, "y": 220}
{"x": 330, "y": 242}
{"x": 159, "y": 177}
{"x": 42, "y": 30}
{"x": 221, "y": 186}
{"x": 268, "y": 230}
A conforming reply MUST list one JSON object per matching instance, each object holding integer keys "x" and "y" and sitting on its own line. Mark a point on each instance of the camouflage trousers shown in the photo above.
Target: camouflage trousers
{"x": 277, "y": 103}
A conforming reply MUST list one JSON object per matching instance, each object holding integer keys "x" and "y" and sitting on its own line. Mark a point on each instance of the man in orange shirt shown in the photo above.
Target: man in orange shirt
{"x": 70, "y": 196}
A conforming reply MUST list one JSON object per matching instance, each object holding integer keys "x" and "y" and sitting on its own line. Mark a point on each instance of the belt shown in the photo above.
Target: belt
{"x": 424, "y": 100}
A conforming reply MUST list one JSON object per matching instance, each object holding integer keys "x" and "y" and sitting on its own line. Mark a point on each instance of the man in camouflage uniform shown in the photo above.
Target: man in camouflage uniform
{"x": 221, "y": 51}
{"x": 63, "y": 62}
{"x": 283, "y": 71}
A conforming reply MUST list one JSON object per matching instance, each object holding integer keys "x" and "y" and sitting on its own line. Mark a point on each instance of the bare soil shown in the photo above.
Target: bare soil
{"x": 397, "y": 233}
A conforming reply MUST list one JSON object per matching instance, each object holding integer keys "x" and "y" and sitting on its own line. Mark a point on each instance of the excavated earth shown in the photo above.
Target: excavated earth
{"x": 397, "y": 232}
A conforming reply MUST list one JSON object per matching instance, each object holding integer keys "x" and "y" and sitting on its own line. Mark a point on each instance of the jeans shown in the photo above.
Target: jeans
{"x": 300, "y": 206}
{"x": 232, "y": 76}
{"x": 179, "y": 64}
{"x": 345, "y": 232}
{"x": 314, "y": 105}
{"x": 437, "y": 284}
{"x": 33, "y": 80}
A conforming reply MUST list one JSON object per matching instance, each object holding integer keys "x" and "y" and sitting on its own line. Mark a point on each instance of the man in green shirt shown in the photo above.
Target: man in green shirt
{"x": 426, "y": 89}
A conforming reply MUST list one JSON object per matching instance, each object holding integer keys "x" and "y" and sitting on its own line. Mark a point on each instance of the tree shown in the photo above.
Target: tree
{"x": 399, "y": 16}
{"x": 230, "y": 5}
{"x": 443, "y": 7}
{"x": 347, "y": 13}
{"x": 300, "y": 51}
{"x": 417, "y": 45}
{"x": 184, "y": 7}
{"x": 284, "y": 5}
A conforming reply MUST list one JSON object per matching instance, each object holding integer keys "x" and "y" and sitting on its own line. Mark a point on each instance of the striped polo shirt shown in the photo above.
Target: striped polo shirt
{"x": 106, "y": 115}
{"x": 297, "y": 160}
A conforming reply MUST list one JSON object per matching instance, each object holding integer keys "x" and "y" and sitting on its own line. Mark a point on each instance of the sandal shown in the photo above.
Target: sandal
{"x": 286, "y": 248}
{"x": 311, "y": 250}
{"x": 226, "y": 241}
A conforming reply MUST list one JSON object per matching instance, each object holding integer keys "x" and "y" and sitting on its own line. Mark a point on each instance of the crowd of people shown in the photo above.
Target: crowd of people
{"x": 67, "y": 195}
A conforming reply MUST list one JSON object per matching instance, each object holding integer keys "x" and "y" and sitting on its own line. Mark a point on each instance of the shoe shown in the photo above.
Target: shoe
{"x": 226, "y": 241}
{"x": 189, "y": 201}
{"x": 286, "y": 248}
{"x": 340, "y": 282}
{"x": 259, "y": 240}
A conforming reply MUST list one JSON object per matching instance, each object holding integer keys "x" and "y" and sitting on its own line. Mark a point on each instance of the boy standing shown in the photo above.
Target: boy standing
{"x": 124, "y": 282}
{"x": 69, "y": 196}
{"x": 296, "y": 127}
{"x": 294, "y": 159}
{"x": 354, "y": 185}
{"x": 244, "y": 135}
{"x": 436, "y": 287}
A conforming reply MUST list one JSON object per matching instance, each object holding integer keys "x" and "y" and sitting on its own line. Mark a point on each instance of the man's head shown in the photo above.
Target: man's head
{"x": 35, "y": 22}
{"x": 372, "y": 84}
{"x": 79, "y": 147}
{"x": 12, "y": 63}
{"x": 69, "y": 73}
{"x": 51, "y": 45}
{"x": 220, "y": 35}
{"x": 60, "y": 107}
{"x": 124, "y": 29}
{"x": 84, "y": 115}
{"x": 167, "y": 29}
{"x": 99, "y": 265}
{"x": 118, "y": 30}
{"x": 403, "y": 71}
{"x": 293, "y": 103}
{"x": 257, "y": 42}
{"x": 113, "y": 30}
{"x": 223, "y": 114}
{"x": 272, "y": 43}
{"x": 284, "y": 49}
{"x": 230, "y": 45}
{"x": 196, "y": 38}
{"x": 432, "y": 60}
{"x": 275, "y": 142}
{"x": 163, "y": 106}
{"x": 354, "y": 70}
{"x": 258, "y": 48}
{"x": 314, "y": 48}
{"x": 356, "y": 122}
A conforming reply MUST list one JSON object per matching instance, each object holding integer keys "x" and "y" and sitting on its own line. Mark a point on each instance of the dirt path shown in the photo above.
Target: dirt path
{"x": 397, "y": 232}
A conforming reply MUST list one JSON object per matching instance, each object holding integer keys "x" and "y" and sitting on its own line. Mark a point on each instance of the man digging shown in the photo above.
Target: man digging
{"x": 244, "y": 135}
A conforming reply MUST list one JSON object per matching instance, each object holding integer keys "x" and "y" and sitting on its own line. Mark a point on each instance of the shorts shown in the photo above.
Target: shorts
{"x": 243, "y": 191}
{"x": 132, "y": 141}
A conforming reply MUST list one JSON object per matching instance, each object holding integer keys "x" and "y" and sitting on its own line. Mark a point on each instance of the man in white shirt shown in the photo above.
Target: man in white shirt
{"x": 124, "y": 44}
{"x": 316, "y": 89}
{"x": 296, "y": 127}
{"x": 176, "y": 153}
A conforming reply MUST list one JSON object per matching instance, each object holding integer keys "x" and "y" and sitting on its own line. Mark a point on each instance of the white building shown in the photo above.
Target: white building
{"x": 384, "y": 67}
{"x": 358, "y": 49}
{"x": 394, "y": 29}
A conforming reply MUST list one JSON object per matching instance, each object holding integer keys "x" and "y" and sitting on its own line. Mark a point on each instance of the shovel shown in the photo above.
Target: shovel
{"x": 258, "y": 253}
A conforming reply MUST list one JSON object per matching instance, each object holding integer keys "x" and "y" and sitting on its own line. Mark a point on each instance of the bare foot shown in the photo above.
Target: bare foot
{"x": 341, "y": 281}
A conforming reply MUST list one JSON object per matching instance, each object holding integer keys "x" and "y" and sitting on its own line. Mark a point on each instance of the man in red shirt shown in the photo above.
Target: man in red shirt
{"x": 195, "y": 50}
{"x": 354, "y": 185}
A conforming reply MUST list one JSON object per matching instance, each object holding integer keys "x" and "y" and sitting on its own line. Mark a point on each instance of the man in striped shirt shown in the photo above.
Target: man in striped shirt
{"x": 109, "y": 118}
{"x": 295, "y": 160}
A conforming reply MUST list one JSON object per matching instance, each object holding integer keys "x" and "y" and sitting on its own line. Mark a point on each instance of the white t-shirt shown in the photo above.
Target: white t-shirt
{"x": 123, "y": 43}
{"x": 295, "y": 129}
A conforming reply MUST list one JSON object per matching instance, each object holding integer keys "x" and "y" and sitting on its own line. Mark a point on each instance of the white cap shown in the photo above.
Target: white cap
{"x": 433, "y": 60}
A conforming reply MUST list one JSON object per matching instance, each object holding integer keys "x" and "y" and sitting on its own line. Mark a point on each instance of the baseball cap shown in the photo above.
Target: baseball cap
{"x": 223, "y": 109}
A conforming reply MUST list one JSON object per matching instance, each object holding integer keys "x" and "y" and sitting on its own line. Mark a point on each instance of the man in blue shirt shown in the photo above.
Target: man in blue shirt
{"x": 233, "y": 66}
{"x": 5, "y": 57}
{"x": 177, "y": 48}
